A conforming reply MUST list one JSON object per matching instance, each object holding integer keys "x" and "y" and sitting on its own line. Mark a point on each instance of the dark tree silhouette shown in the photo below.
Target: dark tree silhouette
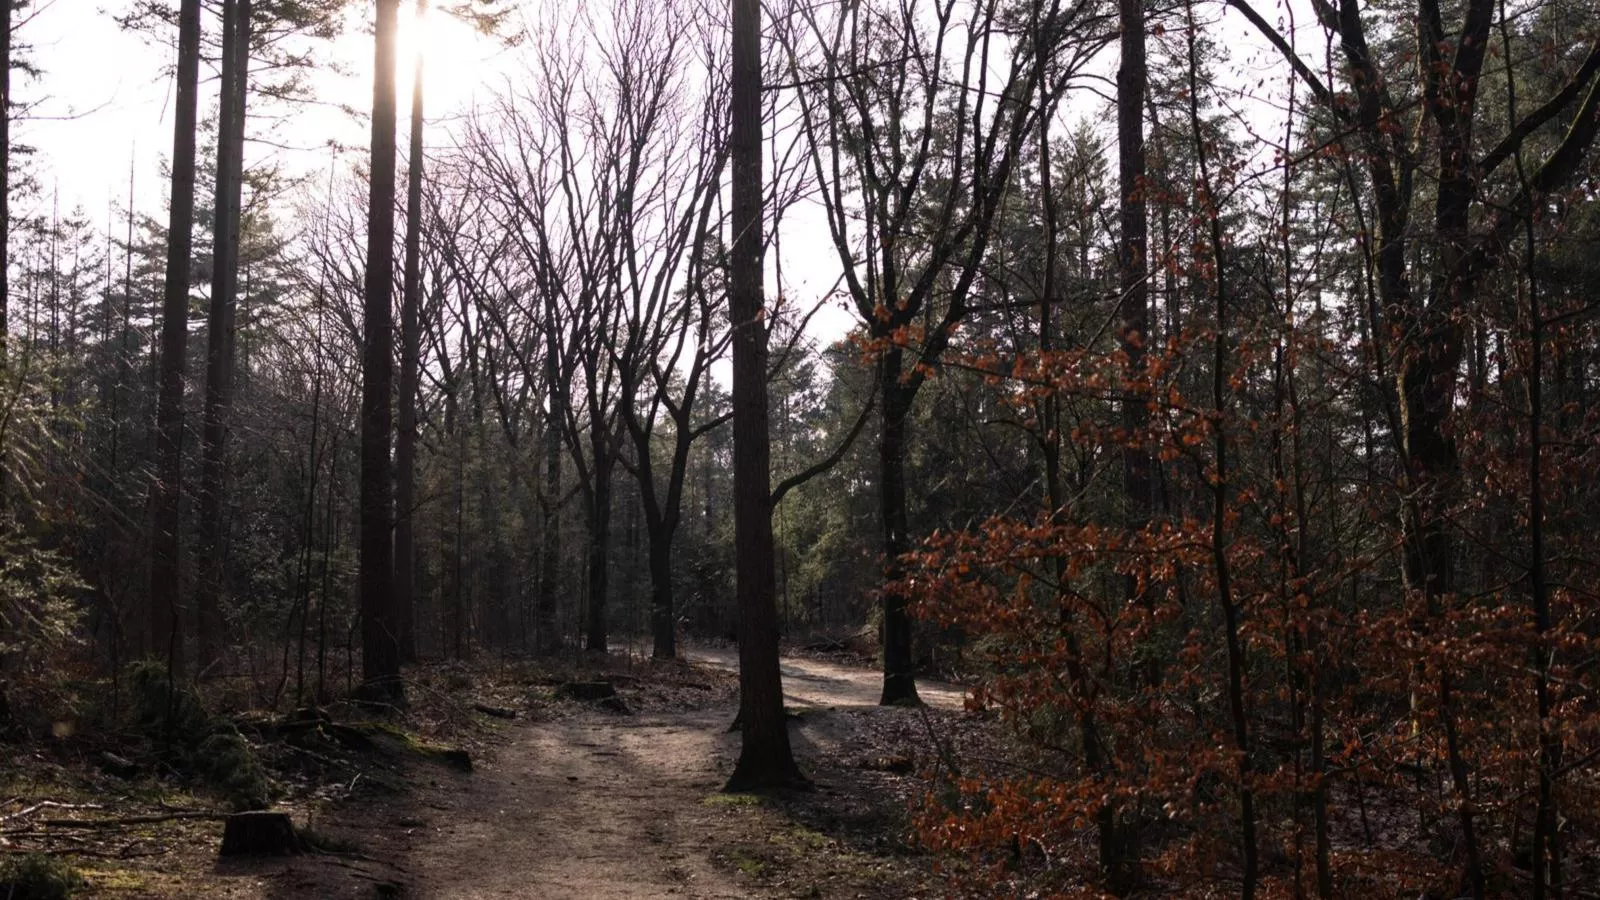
{"x": 380, "y": 645}
{"x": 405, "y": 550}
{"x": 166, "y": 493}
{"x": 220, "y": 322}
{"x": 765, "y": 757}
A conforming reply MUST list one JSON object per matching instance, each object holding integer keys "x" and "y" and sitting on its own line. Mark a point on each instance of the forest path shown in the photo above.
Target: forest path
{"x": 817, "y": 683}
{"x": 597, "y": 806}
{"x": 607, "y": 806}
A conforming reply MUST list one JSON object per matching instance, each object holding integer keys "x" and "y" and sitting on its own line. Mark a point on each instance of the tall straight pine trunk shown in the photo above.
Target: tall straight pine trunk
{"x": 405, "y": 547}
{"x": 5, "y": 223}
{"x": 5, "y": 202}
{"x": 380, "y": 644}
{"x": 166, "y": 494}
{"x": 220, "y": 323}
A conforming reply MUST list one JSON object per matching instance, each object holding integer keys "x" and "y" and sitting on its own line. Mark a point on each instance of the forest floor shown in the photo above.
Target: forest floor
{"x": 577, "y": 800}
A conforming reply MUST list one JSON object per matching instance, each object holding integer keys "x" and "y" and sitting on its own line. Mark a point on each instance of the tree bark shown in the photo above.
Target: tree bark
{"x": 662, "y": 626}
{"x": 5, "y": 203}
{"x": 166, "y": 495}
{"x": 899, "y": 680}
{"x": 405, "y": 548}
{"x": 220, "y": 323}
{"x": 765, "y": 757}
{"x": 380, "y": 647}
{"x": 599, "y": 540}
{"x": 549, "y": 636}
{"x": 5, "y": 223}
{"x": 1132, "y": 268}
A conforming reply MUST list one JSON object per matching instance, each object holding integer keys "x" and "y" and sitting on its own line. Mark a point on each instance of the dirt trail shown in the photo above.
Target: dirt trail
{"x": 603, "y": 806}
{"x": 815, "y": 683}
{"x": 600, "y": 806}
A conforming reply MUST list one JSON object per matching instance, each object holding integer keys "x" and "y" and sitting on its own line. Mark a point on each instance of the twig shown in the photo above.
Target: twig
{"x": 945, "y": 755}
{"x": 130, "y": 820}
{"x": 49, "y": 804}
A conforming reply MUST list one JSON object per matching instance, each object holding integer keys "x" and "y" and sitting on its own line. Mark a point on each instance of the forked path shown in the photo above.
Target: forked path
{"x": 603, "y": 806}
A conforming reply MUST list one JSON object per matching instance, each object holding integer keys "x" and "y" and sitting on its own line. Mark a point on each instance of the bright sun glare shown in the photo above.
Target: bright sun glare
{"x": 454, "y": 57}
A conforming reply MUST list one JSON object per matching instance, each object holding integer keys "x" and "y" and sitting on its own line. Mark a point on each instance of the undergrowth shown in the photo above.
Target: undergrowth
{"x": 36, "y": 876}
{"x": 195, "y": 743}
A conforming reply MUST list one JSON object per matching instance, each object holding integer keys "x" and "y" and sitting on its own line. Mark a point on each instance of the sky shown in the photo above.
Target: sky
{"x": 104, "y": 99}
{"x": 103, "y": 104}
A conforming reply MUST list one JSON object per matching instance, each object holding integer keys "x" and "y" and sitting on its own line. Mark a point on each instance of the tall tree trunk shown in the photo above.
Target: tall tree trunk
{"x": 1094, "y": 756}
{"x": 899, "y": 681}
{"x": 166, "y": 495}
{"x": 550, "y": 501}
{"x": 5, "y": 226}
{"x": 599, "y": 539}
{"x": 765, "y": 757}
{"x": 5, "y": 204}
{"x": 220, "y": 321}
{"x": 380, "y": 646}
{"x": 1237, "y": 713}
{"x": 405, "y": 548}
{"x": 1132, "y": 268}
{"x": 662, "y": 625}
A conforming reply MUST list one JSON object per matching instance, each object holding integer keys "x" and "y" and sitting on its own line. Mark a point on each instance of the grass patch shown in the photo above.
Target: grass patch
{"x": 35, "y": 876}
{"x": 117, "y": 879}
{"x": 734, "y": 800}
{"x": 747, "y": 862}
{"x": 802, "y": 839}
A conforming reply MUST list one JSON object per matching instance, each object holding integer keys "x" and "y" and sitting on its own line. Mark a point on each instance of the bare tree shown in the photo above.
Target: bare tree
{"x": 915, "y": 128}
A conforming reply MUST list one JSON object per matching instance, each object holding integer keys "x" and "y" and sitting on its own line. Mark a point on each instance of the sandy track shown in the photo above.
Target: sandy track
{"x": 598, "y": 806}
{"x": 813, "y": 682}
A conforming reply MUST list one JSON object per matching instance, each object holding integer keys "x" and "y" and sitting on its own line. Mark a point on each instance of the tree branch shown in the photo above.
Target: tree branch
{"x": 818, "y": 468}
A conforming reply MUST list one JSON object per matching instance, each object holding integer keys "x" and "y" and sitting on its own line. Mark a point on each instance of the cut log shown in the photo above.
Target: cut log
{"x": 894, "y": 765}
{"x": 117, "y": 765}
{"x": 498, "y": 712}
{"x": 263, "y": 833}
{"x": 586, "y": 690}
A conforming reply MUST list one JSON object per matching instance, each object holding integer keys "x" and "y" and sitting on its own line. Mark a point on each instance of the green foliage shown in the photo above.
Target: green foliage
{"x": 159, "y": 711}
{"x": 35, "y": 876}
{"x": 230, "y": 766}
{"x": 211, "y": 750}
{"x": 39, "y": 619}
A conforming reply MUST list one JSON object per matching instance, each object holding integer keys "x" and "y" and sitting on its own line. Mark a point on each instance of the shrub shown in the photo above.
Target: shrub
{"x": 39, "y": 618}
{"x": 209, "y": 749}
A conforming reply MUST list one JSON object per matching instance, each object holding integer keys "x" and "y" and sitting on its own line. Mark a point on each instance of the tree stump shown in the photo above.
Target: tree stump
{"x": 263, "y": 833}
{"x": 459, "y": 760}
{"x": 586, "y": 690}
